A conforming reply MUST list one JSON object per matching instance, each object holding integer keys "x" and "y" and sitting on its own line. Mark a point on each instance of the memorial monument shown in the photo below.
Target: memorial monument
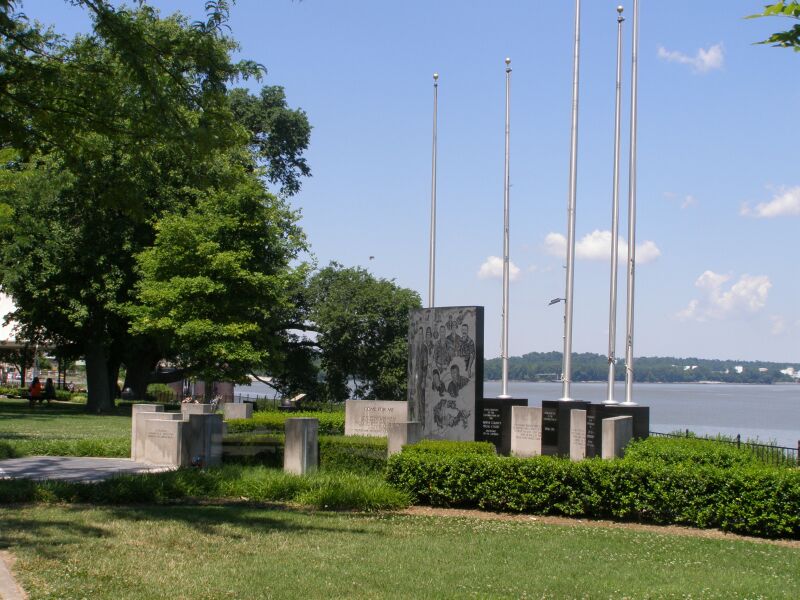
{"x": 445, "y": 370}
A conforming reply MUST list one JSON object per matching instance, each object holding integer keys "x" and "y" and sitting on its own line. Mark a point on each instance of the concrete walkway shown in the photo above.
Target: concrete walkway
{"x": 69, "y": 468}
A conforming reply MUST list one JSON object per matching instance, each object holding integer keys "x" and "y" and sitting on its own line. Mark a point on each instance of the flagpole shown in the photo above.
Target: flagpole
{"x": 432, "y": 257}
{"x": 506, "y": 191}
{"x": 566, "y": 371}
{"x": 632, "y": 212}
{"x": 612, "y": 311}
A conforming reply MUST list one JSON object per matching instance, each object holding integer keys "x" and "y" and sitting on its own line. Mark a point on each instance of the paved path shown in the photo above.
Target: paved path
{"x": 69, "y": 468}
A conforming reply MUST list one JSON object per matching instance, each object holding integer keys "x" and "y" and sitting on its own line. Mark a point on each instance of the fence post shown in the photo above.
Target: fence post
{"x": 687, "y": 433}
{"x": 738, "y": 440}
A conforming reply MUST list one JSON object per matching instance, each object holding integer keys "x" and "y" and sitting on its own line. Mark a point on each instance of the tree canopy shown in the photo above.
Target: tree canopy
{"x": 783, "y": 39}
{"x": 361, "y": 323}
{"x": 128, "y": 166}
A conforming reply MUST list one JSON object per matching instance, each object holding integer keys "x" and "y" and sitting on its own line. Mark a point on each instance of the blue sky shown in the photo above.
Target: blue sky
{"x": 718, "y": 184}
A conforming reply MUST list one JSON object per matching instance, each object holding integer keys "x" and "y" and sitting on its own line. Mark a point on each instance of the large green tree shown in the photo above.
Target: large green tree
{"x": 214, "y": 285}
{"x": 361, "y": 324}
{"x": 87, "y": 196}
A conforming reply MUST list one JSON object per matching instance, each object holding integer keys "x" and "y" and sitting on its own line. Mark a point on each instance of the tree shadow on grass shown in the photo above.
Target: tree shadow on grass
{"x": 45, "y": 536}
{"x": 218, "y": 518}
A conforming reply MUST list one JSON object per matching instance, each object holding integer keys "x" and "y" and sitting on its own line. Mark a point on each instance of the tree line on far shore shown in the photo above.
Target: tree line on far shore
{"x": 546, "y": 366}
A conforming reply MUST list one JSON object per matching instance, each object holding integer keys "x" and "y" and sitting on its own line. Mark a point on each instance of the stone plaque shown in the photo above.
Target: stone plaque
{"x": 372, "y": 417}
{"x": 640, "y": 414}
{"x": 445, "y": 370}
{"x": 204, "y": 440}
{"x": 617, "y": 433}
{"x": 301, "y": 449}
{"x": 402, "y": 434}
{"x": 164, "y": 444}
{"x": 595, "y": 414}
{"x": 564, "y": 419}
{"x": 140, "y": 412}
{"x": 494, "y": 422}
{"x": 577, "y": 434}
{"x": 190, "y": 408}
{"x": 526, "y": 431}
{"x": 238, "y": 410}
{"x": 550, "y": 427}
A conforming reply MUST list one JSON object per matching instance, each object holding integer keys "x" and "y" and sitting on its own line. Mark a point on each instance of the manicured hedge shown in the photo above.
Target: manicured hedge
{"x": 336, "y": 453}
{"x": 745, "y": 499}
{"x": 695, "y": 451}
{"x": 330, "y": 423}
{"x": 450, "y": 447}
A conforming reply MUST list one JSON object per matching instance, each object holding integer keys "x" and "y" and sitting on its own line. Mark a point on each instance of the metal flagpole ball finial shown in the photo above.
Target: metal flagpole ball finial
{"x": 620, "y": 18}
{"x": 436, "y": 77}
{"x": 620, "y": 9}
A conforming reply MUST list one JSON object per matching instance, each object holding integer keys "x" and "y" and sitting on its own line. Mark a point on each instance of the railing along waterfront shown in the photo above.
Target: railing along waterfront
{"x": 770, "y": 454}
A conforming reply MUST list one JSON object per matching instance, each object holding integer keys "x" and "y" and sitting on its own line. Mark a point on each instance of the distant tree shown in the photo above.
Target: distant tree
{"x": 783, "y": 39}
{"x": 361, "y": 324}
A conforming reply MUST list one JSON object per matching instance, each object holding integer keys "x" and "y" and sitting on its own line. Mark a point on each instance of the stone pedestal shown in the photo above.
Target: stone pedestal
{"x": 526, "y": 431}
{"x": 556, "y": 425}
{"x": 238, "y": 410}
{"x": 301, "y": 449}
{"x": 204, "y": 440}
{"x": 577, "y": 435}
{"x": 494, "y": 422}
{"x": 164, "y": 441}
{"x": 138, "y": 414}
{"x": 617, "y": 433}
{"x": 640, "y": 414}
{"x": 190, "y": 408}
{"x": 372, "y": 417}
{"x": 401, "y": 434}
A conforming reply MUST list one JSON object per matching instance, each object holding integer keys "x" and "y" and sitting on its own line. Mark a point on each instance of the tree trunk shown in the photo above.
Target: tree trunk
{"x": 22, "y": 375}
{"x": 138, "y": 373}
{"x": 99, "y": 398}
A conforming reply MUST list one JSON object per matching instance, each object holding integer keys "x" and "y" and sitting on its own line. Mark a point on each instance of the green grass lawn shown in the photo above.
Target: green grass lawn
{"x": 196, "y": 552}
{"x": 61, "y": 428}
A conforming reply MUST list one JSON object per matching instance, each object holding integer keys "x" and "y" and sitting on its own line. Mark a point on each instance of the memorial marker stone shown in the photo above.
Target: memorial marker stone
{"x": 402, "y": 434}
{"x": 494, "y": 422}
{"x": 238, "y": 410}
{"x": 372, "y": 417}
{"x": 164, "y": 441}
{"x": 577, "y": 435}
{"x": 301, "y": 449}
{"x": 526, "y": 431}
{"x": 138, "y": 413}
{"x": 617, "y": 433}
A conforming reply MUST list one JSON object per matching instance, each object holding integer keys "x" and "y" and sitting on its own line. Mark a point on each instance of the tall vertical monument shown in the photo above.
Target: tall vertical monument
{"x": 445, "y": 370}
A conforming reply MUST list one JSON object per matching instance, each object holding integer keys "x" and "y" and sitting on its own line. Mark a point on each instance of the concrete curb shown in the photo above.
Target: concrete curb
{"x": 9, "y": 588}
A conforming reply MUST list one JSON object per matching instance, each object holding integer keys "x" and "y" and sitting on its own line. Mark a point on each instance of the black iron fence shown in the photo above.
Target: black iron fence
{"x": 770, "y": 454}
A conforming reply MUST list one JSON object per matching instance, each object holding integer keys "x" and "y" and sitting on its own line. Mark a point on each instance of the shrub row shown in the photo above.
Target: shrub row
{"x": 110, "y": 447}
{"x": 330, "y": 423}
{"x": 336, "y": 453}
{"x": 334, "y": 491}
{"x": 744, "y": 499}
{"x": 697, "y": 451}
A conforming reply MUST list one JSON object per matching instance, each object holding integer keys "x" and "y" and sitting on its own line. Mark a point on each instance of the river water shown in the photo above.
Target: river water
{"x": 763, "y": 412}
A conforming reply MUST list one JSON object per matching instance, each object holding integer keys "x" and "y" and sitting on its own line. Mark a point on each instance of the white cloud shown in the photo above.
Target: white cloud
{"x": 748, "y": 295}
{"x": 688, "y": 201}
{"x": 597, "y": 246}
{"x": 492, "y": 268}
{"x": 685, "y": 202}
{"x": 702, "y": 62}
{"x": 778, "y": 324}
{"x": 785, "y": 203}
